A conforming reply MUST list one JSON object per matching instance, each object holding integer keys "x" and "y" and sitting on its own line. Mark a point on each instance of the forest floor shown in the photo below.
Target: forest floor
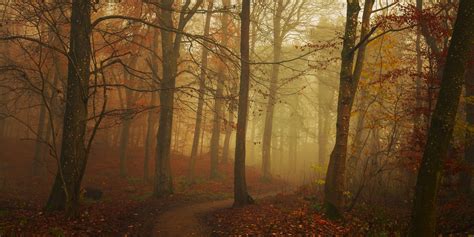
{"x": 202, "y": 208}
{"x": 127, "y": 205}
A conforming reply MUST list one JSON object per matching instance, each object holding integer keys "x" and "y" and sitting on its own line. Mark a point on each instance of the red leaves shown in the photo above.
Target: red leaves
{"x": 281, "y": 215}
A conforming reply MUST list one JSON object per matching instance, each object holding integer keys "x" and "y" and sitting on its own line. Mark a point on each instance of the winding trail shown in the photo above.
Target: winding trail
{"x": 184, "y": 221}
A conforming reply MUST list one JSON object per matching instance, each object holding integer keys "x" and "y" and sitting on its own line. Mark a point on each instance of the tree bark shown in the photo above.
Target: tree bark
{"x": 241, "y": 196}
{"x": 466, "y": 175}
{"x": 335, "y": 177}
{"x": 163, "y": 181}
{"x": 65, "y": 192}
{"x": 423, "y": 222}
{"x": 170, "y": 45}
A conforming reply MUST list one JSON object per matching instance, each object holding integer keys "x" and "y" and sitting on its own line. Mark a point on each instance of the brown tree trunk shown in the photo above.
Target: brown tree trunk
{"x": 335, "y": 177}
{"x": 423, "y": 222}
{"x": 241, "y": 196}
{"x": 163, "y": 181}
{"x": 466, "y": 175}
{"x": 163, "y": 184}
{"x": 65, "y": 191}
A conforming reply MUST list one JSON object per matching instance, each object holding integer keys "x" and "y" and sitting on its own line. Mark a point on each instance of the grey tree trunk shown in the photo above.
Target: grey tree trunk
{"x": 65, "y": 191}
{"x": 272, "y": 94}
{"x": 423, "y": 222}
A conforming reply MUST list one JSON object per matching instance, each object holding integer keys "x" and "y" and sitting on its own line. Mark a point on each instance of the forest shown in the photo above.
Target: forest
{"x": 236, "y": 118}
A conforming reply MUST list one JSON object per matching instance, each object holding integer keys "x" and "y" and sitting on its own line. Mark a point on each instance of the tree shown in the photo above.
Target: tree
{"x": 466, "y": 175}
{"x": 423, "y": 222}
{"x": 65, "y": 192}
{"x": 202, "y": 88}
{"x": 241, "y": 196}
{"x": 170, "y": 46}
{"x": 348, "y": 83}
{"x": 286, "y": 17}
{"x": 218, "y": 101}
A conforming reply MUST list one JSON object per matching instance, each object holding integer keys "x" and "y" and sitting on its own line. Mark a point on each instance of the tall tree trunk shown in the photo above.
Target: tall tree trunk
{"x": 216, "y": 124}
{"x": 170, "y": 49}
{"x": 163, "y": 181}
{"x": 335, "y": 177}
{"x": 272, "y": 94}
{"x": 154, "y": 99}
{"x": 241, "y": 196}
{"x": 202, "y": 88}
{"x": 65, "y": 191}
{"x": 466, "y": 175}
{"x": 423, "y": 222}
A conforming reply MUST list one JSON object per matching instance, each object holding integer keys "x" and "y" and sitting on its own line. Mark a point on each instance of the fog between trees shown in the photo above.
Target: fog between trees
{"x": 361, "y": 100}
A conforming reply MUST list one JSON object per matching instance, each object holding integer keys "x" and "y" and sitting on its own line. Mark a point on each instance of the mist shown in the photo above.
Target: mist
{"x": 224, "y": 118}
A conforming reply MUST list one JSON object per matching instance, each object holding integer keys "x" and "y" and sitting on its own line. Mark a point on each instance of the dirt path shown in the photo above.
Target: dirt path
{"x": 184, "y": 221}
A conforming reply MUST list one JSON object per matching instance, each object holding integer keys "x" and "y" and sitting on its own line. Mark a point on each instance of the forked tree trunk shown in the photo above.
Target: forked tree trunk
{"x": 241, "y": 196}
{"x": 423, "y": 222}
{"x": 170, "y": 48}
{"x": 65, "y": 191}
{"x": 335, "y": 177}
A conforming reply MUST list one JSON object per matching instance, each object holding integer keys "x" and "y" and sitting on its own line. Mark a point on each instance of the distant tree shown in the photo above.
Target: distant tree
{"x": 219, "y": 100}
{"x": 202, "y": 87}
